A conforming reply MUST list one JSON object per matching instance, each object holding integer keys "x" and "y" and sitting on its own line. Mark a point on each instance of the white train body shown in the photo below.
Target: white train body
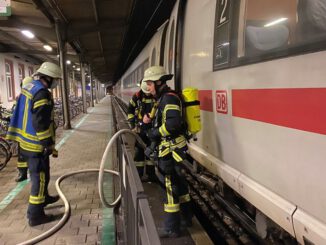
{"x": 264, "y": 121}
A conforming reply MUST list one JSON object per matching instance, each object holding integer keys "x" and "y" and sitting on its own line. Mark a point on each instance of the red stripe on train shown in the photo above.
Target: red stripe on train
{"x": 300, "y": 108}
{"x": 206, "y": 100}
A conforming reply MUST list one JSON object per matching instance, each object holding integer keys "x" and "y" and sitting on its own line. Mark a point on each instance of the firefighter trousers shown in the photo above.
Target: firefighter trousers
{"x": 21, "y": 162}
{"x": 141, "y": 160}
{"x": 177, "y": 198}
{"x": 39, "y": 170}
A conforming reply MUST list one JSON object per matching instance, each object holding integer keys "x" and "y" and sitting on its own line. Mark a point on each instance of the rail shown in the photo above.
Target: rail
{"x": 137, "y": 223}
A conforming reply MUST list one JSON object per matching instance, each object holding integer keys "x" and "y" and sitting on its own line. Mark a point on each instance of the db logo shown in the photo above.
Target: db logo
{"x": 221, "y": 101}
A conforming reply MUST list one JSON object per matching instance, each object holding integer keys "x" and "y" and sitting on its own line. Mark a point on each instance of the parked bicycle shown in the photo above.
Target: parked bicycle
{"x": 7, "y": 148}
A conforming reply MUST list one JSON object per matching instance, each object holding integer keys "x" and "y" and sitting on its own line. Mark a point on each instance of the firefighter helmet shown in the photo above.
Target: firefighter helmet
{"x": 49, "y": 69}
{"x": 156, "y": 73}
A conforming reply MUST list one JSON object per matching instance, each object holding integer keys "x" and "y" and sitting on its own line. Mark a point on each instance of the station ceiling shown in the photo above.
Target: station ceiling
{"x": 106, "y": 34}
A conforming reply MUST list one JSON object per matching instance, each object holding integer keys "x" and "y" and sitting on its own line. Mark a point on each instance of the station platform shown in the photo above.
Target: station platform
{"x": 79, "y": 148}
{"x": 89, "y": 223}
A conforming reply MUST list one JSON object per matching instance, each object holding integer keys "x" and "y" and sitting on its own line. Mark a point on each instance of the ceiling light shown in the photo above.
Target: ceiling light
{"x": 68, "y": 62}
{"x": 78, "y": 69}
{"x": 274, "y": 22}
{"x": 47, "y": 47}
{"x": 28, "y": 33}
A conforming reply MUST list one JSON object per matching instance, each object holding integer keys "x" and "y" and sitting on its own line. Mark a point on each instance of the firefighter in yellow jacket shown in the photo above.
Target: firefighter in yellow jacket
{"x": 168, "y": 131}
{"x": 32, "y": 126}
{"x": 139, "y": 110}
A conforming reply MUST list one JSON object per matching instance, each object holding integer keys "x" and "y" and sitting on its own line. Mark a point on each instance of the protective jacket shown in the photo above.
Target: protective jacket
{"x": 139, "y": 105}
{"x": 169, "y": 130}
{"x": 32, "y": 121}
{"x": 169, "y": 125}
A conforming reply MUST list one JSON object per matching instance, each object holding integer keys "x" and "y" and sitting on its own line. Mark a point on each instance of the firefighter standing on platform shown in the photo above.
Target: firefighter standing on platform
{"x": 32, "y": 126}
{"x": 168, "y": 132}
{"x": 22, "y": 162}
{"x": 139, "y": 110}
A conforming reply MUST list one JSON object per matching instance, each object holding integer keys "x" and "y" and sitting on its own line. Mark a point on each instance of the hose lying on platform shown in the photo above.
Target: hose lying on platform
{"x": 101, "y": 171}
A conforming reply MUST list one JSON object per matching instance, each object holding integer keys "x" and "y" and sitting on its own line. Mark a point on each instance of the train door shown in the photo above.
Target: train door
{"x": 163, "y": 31}
{"x": 169, "y": 61}
{"x": 173, "y": 46}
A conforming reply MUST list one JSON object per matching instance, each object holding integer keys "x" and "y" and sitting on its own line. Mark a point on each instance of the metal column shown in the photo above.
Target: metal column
{"x": 83, "y": 86}
{"x": 91, "y": 83}
{"x": 65, "y": 96}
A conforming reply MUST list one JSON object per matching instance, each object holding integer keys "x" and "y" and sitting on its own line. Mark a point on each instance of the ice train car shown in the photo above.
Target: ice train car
{"x": 259, "y": 66}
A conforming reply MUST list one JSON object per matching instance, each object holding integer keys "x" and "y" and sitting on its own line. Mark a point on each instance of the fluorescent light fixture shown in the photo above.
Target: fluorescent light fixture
{"x": 274, "y": 22}
{"x": 78, "y": 69}
{"x": 47, "y": 47}
{"x": 201, "y": 54}
{"x": 68, "y": 62}
{"x": 28, "y": 33}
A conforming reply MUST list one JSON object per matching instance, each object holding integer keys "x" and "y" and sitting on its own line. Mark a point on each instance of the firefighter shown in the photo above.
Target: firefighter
{"x": 32, "y": 126}
{"x": 168, "y": 131}
{"x": 139, "y": 110}
{"x": 22, "y": 163}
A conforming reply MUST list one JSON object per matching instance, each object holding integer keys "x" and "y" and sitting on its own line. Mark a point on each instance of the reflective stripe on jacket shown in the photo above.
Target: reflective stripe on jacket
{"x": 21, "y": 128}
{"x": 170, "y": 124}
{"x": 139, "y": 105}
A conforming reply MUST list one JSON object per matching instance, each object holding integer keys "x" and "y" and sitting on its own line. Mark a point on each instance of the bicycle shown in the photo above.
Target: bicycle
{"x": 3, "y": 157}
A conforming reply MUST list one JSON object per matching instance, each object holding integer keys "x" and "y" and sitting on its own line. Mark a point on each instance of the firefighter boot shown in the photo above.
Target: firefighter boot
{"x": 51, "y": 199}
{"x": 163, "y": 233}
{"x": 22, "y": 174}
{"x": 171, "y": 226}
{"x": 42, "y": 219}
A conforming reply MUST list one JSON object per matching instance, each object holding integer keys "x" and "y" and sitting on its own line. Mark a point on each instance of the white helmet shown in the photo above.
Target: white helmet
{"x": 144, "y": 87}
{"x": 49, "y": 69}
{"x": 26, "y": 81}
{"x": 156, "y": 73}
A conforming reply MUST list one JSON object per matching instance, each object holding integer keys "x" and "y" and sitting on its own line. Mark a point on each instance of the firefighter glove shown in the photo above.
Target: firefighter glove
{"x": 47, "y": 151}
{"x": 148, "y": 152}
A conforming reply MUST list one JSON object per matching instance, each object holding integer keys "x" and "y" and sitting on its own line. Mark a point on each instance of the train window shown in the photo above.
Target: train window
{"x": 171, "y": 43}
{"x": 222, "y": 34}
{"x": 136, "y": 77}
{"x": 277, "y": 25}
{"x": 141, "y": 73}
{"x": 153, "y": 57}
{"x": 145, "y": 64}
{"x": 163, "y": 45}
{"x": 10, "y": 80}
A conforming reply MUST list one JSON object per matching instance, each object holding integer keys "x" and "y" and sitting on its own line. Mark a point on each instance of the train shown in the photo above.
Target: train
{"x": 259, "y": 66}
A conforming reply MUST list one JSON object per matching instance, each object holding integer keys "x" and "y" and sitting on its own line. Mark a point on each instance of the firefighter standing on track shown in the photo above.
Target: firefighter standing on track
{"x": 168, "y": 132}
{"x": 22, "y": 162}
{"x": 139, "y": 110}
{"x": 32, "y": 126}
